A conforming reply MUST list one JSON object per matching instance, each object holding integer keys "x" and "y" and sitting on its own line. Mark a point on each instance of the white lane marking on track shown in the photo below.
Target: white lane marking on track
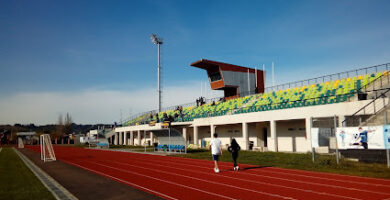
{"x": 341, "y": 175}
{"x": 294, "y": 174}
{"x": 210, "y": 193}
{"x": 314, "y": 173}
{"x": 330, "y": 179}
{"x": 305, "y": 182}
{"x": 121, "y": 180}
{"x": 262, "y": 183}
{"x": 127, "y": 171}
{"x": 221, "y": 163}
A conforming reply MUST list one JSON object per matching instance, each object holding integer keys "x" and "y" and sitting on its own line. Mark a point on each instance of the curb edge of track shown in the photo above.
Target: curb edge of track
{"x": 58, "y": 191}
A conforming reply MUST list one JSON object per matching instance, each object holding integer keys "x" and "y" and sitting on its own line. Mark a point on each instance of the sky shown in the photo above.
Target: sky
{"x": 95, "y": 61}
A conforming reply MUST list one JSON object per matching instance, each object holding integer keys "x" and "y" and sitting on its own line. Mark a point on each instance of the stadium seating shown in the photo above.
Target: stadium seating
{"x": 328, "y": 92}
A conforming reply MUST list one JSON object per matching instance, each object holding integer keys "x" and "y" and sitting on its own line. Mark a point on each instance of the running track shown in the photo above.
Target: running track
{"x": 182, "y": 178}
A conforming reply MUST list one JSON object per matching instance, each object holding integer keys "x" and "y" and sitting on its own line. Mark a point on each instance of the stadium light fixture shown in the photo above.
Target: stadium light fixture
{"x": 158, "y": 41}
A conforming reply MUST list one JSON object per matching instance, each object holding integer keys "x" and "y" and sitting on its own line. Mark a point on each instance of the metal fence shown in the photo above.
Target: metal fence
{"x": 330, "y": 77}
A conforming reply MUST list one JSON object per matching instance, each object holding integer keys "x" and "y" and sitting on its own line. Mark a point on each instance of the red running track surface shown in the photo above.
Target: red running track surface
{"x": 183, "y": 178}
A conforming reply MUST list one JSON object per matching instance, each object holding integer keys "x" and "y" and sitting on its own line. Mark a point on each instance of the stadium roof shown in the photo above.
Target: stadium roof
{"x": 215, "y": 65}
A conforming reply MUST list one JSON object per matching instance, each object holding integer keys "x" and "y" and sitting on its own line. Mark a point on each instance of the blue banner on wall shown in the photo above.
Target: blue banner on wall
{"x": 386, "y": 136}
{"x": 366, "y": 137}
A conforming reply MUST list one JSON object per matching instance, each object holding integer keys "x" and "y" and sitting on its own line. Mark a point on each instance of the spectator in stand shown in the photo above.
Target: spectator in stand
{"x": 181, "y": 113}
{"x": 165, "y": 117}
{"x": 157, "y": 119}
{"x": 175, "y": 116}
{"x": 170, "y": 118}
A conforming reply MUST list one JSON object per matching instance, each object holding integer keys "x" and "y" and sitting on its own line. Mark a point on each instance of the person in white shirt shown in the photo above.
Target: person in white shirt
{"x": 216, "y": 151}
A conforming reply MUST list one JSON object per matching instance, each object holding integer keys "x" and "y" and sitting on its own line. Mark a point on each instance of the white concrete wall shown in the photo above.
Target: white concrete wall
{"x": 92, "y": 133}
{"x": 291, "y": 136}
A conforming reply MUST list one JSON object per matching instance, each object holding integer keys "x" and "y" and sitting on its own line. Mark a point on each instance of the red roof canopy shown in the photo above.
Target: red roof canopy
{"x": 213, "y": 65}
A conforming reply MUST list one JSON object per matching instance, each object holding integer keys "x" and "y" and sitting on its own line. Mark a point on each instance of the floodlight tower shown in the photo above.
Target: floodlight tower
{"x": 158, "y": 41}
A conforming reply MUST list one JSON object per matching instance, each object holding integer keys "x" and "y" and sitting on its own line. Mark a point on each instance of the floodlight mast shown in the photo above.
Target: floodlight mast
{"x": 158, "y": 41}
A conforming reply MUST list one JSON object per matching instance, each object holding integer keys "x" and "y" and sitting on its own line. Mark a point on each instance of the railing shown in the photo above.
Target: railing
{"x": 371, "y": 88}
{"x": 331, "y": 77}
{"x": 372, "y": 108}
{"x": 321, "y": 79}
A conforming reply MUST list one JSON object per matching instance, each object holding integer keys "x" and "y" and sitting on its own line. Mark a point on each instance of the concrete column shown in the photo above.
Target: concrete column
{"x": 120, "y": 138}
{"x": 139, "y": 138}
{"x": 308, "y": 126}
{"x": 196, "y": 135}
{"x": 274, "y": 137}
{"x": 116, "y": 138}
{"x": 125, "y": 139}
{"x": 341, "y": 119}
{"x": 185, "y": 134}
{"x": 212, "y": 130}
{"x": 245, "y": 135}
{"x": 151, "y": 138}
{"x": 131, "y": 138}
{"x": 144, "y": 142}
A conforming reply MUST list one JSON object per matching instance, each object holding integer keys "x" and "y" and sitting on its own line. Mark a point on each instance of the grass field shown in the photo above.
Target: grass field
{"x": 323, "y": 163}
{"x": 16, "y": 179}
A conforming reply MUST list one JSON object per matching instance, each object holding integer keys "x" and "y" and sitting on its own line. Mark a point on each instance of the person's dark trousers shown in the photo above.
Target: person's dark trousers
{"x": 235, "y": 156}
{"x": 365, "y": 145}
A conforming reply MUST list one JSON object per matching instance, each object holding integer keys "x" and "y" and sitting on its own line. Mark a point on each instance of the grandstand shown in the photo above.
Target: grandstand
{"x": 277, "y": 118}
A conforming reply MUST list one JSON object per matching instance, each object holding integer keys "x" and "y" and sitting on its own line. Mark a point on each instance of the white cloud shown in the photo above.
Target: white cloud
{"x": 90, "y": 106}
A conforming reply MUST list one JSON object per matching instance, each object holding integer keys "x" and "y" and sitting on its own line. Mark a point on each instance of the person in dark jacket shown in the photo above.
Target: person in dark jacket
{"x": 234, "y": 148}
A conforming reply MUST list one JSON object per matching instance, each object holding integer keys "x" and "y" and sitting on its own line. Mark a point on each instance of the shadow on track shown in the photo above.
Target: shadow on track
{"x": 246, "y": 168}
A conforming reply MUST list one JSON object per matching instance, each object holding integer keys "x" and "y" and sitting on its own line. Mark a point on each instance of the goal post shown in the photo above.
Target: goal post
{"x": 47, "y": 152}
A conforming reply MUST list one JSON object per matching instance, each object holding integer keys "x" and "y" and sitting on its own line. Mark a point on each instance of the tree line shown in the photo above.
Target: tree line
{"x": 63, "y": 128}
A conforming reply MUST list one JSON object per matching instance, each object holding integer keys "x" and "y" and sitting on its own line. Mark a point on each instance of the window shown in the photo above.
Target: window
{"x": 215, "y": 76}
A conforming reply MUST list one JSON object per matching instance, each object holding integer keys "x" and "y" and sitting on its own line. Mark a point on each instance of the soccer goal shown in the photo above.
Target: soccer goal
{"x": 47, "y": 152}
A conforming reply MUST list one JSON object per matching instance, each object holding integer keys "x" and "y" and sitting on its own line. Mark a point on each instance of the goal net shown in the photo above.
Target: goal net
{"x": 47, "y": 152}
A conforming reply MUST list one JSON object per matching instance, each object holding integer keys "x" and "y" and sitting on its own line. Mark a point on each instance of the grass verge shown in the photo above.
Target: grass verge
{"x": 17, "y": 181}
{"x": 323, "y": 163}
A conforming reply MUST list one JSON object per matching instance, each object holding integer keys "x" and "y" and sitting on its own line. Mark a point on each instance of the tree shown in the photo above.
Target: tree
{"x": 68, "y": 124}
{"x": 59, "y": 128}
